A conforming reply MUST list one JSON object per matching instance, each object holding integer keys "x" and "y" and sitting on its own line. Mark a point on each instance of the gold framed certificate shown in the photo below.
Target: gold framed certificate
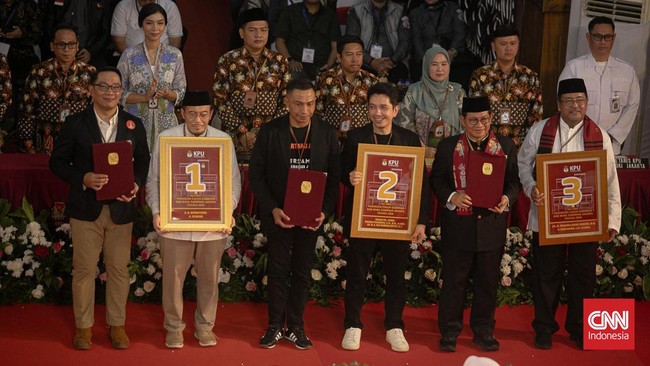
{"x": 387, "y": 201}
{"x": 195, "y": 183}
{"x": 575, "y": 197}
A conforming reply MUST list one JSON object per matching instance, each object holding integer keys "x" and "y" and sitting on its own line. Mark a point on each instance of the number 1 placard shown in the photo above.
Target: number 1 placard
{"x": 387, "y": 201}
{"x": 575, "y": 197}
{"x": 195, "y": 183}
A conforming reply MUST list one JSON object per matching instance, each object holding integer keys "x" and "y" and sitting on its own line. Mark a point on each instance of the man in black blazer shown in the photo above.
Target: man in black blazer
{"x": 99, "y": 226}
{"x": 296, "y": 141}
{"x": 473, "y": 238}
{"x": 383, "y": 106}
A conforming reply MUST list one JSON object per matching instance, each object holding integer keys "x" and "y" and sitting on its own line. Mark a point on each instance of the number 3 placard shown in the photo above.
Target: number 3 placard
{"x": 575, "y": 197}
{"x": 195, "y": 183}
{"x": 387, "y": 201}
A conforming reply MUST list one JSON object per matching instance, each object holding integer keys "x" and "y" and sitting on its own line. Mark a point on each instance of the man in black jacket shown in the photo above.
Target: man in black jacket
{"x": 383, "y": 106}
{"x": 99, "y": 226}
{"x": 473, "y": 238}
{"x": 295, "y": 141}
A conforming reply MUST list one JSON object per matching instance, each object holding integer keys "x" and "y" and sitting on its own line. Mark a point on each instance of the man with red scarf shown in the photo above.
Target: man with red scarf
{"x": 570, "y": 130}
{"x": 473, "y": 237}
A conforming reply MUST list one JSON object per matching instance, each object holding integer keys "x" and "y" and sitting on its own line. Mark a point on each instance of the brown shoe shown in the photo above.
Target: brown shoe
{"x": 82, "y": 338}
{"x": 118, "y": 336}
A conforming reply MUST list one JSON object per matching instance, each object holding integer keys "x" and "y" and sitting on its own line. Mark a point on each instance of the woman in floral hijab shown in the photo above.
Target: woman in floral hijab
{"x": 431, "y": 107}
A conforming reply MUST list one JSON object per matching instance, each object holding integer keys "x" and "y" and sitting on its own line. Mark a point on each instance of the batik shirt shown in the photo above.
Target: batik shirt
{"x": 334, "y": 93}
{"x": 50, "y": 94}
{"x": 5, "y": 86}
{"x": 519, "y": 94}
{"x": 237, "y": 73}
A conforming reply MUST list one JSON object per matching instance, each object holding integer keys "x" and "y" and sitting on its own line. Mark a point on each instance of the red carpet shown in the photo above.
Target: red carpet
{"x": 42, "y": 334}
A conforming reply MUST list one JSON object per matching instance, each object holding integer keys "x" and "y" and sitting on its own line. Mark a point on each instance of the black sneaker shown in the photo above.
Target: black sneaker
{"x": 297, "y": 336}
{"x": 272, "y": 335}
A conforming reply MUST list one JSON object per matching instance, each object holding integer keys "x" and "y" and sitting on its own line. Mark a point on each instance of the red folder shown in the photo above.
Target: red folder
{"x": 303, "y": 200}
{"x": 485, "y": 176}
{"x": 114, "y": 159}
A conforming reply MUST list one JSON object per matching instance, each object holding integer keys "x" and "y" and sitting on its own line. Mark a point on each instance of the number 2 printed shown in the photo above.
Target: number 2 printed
{"x": 383, "y": 193}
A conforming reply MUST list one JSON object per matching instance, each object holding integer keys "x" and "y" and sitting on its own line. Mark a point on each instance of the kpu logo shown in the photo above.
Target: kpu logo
{"x": 609, "y": 324}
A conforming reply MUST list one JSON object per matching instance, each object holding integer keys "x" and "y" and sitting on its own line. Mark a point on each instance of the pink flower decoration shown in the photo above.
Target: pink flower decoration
{"x": 102, "y": 276}
{"x": 251, "y": 286}
{"x": 336, "y": 251}
{"x": 506, "y": 281}
{"x": 144, "y": 255}
{"x": 250, "y": 254}
{"x": 524, "y": 252}
{"x": 232, "y": 252}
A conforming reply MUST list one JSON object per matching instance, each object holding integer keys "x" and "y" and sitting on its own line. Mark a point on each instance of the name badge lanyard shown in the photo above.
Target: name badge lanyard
{"x": 64, "y": 110}
{"x": 504, "y": 112}
{"x": 347, "y": 101}
{"x": 304, "y": 144}
{"x": 378, "y": 21}
{"x": 250, "y": 96}
{"x": 153, "y": 103}
{"x": 308, "y": 52}
{"x": 430, "y": 125}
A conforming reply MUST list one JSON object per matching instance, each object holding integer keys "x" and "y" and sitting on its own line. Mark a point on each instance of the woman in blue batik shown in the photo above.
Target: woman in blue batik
{"x": 153, "y": 75}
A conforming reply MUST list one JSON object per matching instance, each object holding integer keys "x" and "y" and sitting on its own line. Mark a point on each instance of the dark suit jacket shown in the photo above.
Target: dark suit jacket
{"x": 484, "y": 230}
{"x": 269, "y": 165}
{"x": 364, "y": 135}
{"x": 72, "y": 158}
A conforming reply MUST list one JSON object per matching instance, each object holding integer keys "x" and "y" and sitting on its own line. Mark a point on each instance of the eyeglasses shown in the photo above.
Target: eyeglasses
{"x": 600, "y": 37}
{"x": 64, "y": 45}
{"x": 105, "y": 87}
{"x": 569, "y": 102}
{"x": 193, "y": 115}
{"x": 474, "y": 121}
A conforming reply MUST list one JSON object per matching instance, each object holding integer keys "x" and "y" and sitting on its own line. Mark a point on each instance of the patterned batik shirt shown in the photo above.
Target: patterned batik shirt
{"x": 335, "y": 94}
{"x": 5, "y": 86}
{"x": 519, "y": 94}
{"x": 50, "y": 95}
{"x": 238, "y": 73}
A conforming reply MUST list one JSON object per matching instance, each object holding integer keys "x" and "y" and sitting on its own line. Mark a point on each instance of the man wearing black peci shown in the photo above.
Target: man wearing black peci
{"x": 295, "y": 141}
{"x": 472, "y": 237}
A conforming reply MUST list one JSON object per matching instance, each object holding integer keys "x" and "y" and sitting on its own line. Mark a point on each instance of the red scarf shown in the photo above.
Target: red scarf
{"x": 593, "y": 138}
{"x": 461, "y": 158}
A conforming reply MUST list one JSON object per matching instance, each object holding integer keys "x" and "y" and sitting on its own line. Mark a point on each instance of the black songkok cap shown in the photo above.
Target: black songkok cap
{"x": 571, "y": 86}
{"x": 252, "y": 15}
{"x": 505, "y": 31}
{"x": 475, "y": 104}
{"x": 197, "y": 98}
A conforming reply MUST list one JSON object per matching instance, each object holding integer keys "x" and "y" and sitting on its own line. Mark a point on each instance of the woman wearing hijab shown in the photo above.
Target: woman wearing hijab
{"x": 153, "y": 75}
{"x": 431, "y": 107}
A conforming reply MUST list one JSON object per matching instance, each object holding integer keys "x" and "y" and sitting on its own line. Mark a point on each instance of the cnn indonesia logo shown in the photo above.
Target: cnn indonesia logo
{"x": 609, "y": 324}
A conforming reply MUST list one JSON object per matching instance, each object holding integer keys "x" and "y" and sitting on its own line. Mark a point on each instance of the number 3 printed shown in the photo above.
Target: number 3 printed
{"x": 391, "y": 181}
{"x": 572, "y": 191}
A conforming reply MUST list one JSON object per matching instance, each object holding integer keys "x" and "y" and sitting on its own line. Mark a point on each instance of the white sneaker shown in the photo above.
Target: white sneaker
{"x": 174, "y": 339}
{"x": 397, "y": 341}
{"x": 352, "y": 339}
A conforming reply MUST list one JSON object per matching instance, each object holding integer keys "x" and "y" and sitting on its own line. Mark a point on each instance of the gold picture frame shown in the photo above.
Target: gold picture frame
{"x": 387, "y": 200}
{"x": 194, "y": 194}
{"x": 575, "y": 207}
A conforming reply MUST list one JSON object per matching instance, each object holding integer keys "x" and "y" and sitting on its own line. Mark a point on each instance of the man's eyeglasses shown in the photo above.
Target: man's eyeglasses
{"x": 64, "y": 45}
{"x": 105, "y": 87}
{"x": 193, "y": 115}
{"x": 569, "y": 102}
{"x": 599, "y": 37}
{"x": 474, "y": 121}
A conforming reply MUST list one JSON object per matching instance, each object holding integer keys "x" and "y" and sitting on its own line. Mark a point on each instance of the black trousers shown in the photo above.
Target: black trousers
{"x": 549, "y": 263}
{"x": 291, "y": 256}
{"x": 395, "y": 256}
{"x": 457, "y": 266}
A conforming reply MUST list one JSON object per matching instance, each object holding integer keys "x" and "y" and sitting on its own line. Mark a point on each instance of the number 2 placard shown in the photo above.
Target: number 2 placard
{"x": 387, "y": 201}
{"x": 195, "y": 183}
{"x": 575, "y": 197}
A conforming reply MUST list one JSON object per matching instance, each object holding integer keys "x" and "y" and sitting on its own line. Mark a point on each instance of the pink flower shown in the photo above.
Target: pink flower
{"x": 102, "y": 276}
{"x": 144, "y": 255}
{"x": 523, "y": 252}
{"x": 336, "y": 251}
{"x": 57, "y": 246}
{"x": 251, "y": 286}
{"x": 506, "y": 281}
{"x": 250, "y": 253}
{"x": 232, "y": 252}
